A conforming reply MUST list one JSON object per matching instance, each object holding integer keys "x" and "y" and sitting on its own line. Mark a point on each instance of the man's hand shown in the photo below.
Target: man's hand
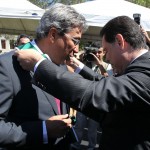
{"x": 74, "y": 62}
{"x": 28, "y": 58}
{"x": 58, "y": 126}
{"x": 97, "y": 61}
{"x": 100, "y": 65}
{"x": 146, "y": 35}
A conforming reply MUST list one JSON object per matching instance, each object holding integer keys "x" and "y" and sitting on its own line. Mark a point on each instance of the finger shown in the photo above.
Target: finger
{"x": 68, "y": 121}
{"x": 59, "y": 117}
{"x": 16, "y": 53}
{"x": 65, "y": 116}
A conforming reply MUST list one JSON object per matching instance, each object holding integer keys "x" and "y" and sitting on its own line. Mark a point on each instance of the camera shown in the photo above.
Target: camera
{"x": 87, "y": 56}
{"x": 137, "y": 18}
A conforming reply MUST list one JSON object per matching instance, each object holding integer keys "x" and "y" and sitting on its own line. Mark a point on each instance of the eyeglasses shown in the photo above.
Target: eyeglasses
{"x": 75, "y": 41}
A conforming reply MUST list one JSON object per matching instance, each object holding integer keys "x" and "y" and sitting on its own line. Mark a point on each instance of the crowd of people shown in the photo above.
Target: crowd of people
{"x": 48, "y": 96}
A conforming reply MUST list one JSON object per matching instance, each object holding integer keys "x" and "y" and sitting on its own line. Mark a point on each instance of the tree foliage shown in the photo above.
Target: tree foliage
{"x": 40, "y": 3}
{"x": 145, "y": 3}
{"x": 45, "y": 3}
{"x": 71, "y": 2}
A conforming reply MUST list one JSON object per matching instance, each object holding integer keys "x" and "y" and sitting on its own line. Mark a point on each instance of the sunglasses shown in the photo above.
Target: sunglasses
{"x": 75, "y": 41}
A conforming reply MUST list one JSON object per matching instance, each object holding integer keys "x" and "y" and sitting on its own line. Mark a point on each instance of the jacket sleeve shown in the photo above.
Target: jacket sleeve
{"x": 105, "y": 95}
{"x": 15, "y": 132}
{"x": 89, "y": 74}
{"x": 10, "y": 133}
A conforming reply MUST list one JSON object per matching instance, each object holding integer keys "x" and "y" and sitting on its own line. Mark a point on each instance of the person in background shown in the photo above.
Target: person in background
{"x": 94, "y": 60}
{"x": 31, "y": 118}
{"x": 22, "y": 39}
{"x": 120, "y": 103}
{"x": 100, "y": 64}
{"x": 147, "y": 38}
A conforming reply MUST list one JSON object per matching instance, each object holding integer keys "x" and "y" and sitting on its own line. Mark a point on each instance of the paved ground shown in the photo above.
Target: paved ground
{"x": 84, "y": 142}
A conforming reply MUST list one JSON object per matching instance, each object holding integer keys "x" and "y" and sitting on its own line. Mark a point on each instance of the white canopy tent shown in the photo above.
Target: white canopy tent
{"x": 99, "y": 12}
{"x": 19, "y": 16}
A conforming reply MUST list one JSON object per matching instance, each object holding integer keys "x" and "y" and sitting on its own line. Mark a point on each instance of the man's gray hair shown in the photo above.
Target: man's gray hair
{"x": 62, "y": 17}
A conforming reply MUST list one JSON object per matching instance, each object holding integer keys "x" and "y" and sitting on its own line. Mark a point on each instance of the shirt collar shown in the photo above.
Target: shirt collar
{"x": 38, "y": 49}
{"x": 143, "y": 52}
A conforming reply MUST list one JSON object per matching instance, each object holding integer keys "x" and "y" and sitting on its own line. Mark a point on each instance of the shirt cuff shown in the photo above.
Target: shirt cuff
{"x": 45, "y": 137}
{"x": 37, "y": 64}
{"x": 79, "y": 68}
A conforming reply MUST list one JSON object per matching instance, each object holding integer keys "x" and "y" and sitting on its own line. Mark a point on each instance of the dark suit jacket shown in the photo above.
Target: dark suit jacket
{"x": 121, "y": 104}
{"x": 23, "y": 106}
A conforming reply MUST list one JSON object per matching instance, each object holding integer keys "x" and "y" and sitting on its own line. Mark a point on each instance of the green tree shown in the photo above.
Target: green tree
{"x": 71, "y": 2}
{"x": 40, "y": 3}
{"x": 145, "y": 3}
{"x": 45, "y": 3}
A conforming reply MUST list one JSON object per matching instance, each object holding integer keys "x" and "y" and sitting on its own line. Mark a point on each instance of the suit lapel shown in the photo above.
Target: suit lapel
{"x": 52, "y": 102}
{"x": 50, "y": 98}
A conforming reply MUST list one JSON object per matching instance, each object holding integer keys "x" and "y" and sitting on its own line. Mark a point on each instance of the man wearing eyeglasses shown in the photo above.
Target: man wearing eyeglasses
{"x": 30, "y": 118}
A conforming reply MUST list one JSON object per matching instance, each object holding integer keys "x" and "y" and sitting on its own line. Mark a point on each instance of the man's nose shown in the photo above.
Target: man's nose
{"x": 76, "y": 49}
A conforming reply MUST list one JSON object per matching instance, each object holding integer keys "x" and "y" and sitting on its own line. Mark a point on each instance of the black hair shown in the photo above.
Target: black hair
{"x": 127, "y": 27}
{"x": 22, "y": 36}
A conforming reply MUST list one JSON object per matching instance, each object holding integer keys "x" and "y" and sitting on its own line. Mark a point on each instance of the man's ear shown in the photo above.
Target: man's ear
{"x": 52, "y": 34}
{"x": 120, "y": 40}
